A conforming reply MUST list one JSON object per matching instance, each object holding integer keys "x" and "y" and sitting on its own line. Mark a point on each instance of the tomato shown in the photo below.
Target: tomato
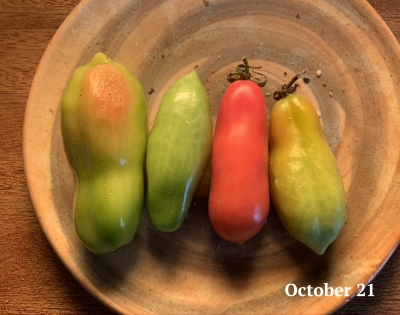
{"x": 177, "y": 152}
{"x": 306, "y": 186}
{"x": 239, "y": 194}
{"x": 104, "y": 131}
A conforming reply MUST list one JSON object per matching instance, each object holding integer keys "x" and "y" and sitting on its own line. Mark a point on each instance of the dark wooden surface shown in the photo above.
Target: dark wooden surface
{"x": 32, "y": 279}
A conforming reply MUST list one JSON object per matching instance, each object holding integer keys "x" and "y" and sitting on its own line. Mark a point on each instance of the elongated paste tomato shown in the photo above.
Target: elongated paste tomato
{"x": 239, "y": 194}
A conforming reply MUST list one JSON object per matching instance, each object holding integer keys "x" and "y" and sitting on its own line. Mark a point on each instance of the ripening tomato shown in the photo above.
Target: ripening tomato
{"x": 104, "y": 132}
{"x": 306, "y": 185}
{"x": 239, "y": 194}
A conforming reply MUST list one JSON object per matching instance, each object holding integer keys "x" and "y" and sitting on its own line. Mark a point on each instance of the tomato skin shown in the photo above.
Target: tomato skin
{"x": 239, "y": 194}
{"x": 104, "y": 132}
{"x": 306, "y": 185}
{"x": 176, "y": 155}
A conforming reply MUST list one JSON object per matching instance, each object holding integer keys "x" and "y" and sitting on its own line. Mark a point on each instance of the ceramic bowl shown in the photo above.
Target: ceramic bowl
{"x": 192, "y": 270}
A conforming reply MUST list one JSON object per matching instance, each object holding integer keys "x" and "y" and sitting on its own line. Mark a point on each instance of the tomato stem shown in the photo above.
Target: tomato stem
{"x": 287, "y": 88}
{"x": 246, "y": 66}
{"x": 243, "y": 73}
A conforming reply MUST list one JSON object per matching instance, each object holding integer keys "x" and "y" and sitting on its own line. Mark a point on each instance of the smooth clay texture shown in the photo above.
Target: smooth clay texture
{"x": 193, "y": 270}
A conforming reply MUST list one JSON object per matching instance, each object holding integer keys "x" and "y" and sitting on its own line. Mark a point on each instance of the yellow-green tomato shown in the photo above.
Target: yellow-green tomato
{"x": 104, "y": 130}
{"x": 306, "y": 186}
{"x": 177, "y": 152}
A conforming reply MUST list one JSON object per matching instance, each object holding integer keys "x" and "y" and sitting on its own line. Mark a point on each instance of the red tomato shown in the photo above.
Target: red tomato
{"x": 239, "y": 193}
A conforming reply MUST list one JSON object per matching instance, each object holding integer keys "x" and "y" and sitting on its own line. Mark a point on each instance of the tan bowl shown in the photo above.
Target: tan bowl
{"x": 193, "y": 270}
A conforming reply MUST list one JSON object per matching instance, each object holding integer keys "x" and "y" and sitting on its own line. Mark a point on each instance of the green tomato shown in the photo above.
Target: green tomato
{"x": 305, "y": 183}
{"x": 104, "y": 131}
{"x": 177, "y": 152}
